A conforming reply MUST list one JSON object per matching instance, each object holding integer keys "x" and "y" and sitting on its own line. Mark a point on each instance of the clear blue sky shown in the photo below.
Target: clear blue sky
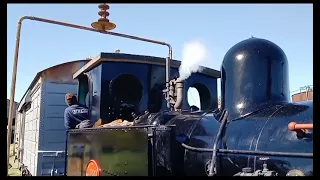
{"x": 219, "y": 26}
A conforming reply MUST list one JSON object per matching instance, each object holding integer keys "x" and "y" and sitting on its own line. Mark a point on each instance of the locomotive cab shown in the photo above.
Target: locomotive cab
{"x": 122, "y": 86}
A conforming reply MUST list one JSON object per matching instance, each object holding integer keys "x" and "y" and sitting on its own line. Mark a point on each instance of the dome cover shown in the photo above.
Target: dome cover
{"x": 254, "y": 74}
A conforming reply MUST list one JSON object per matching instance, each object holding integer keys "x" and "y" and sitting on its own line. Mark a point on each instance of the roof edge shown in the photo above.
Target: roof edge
{"x": 36, "y": 78}
{"x": 138, "y": 59}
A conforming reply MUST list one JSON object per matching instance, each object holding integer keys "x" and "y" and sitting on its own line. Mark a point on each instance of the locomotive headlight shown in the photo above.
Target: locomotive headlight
{"x": 295, "y": 172}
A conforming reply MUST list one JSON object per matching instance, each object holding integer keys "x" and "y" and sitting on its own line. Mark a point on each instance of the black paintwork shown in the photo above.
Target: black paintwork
{"x": 255, "y": 95}
{"x": 265, "y": 130}
{"x": 254, "y": 74}
{"x": 103, "y": 104}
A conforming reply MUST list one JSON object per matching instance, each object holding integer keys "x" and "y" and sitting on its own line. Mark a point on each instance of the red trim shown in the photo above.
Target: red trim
{"x": 97, "y": 166}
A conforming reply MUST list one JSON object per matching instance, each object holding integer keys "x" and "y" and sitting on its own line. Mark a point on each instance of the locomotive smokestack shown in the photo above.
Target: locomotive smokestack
{"x": 254, "y": 74}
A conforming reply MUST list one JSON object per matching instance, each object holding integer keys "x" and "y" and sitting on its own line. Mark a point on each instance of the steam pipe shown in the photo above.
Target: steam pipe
{"x": 16, "y": 55}
{"x": 171, "y": 95}
{"x": 248, "y": 152}
{"x": 213, "y": 167}
{"x": 179, "y": 92}
{"x": 300, "y": 129}
{"x": 292, "y": 126}
{"x": 168, "y": 65}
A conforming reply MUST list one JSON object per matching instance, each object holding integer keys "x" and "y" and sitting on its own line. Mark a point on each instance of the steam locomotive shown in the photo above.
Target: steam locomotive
{"x": 256, "y": 132}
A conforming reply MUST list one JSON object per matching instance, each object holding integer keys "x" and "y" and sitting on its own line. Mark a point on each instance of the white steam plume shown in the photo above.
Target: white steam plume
{"x": 193, "y": 53}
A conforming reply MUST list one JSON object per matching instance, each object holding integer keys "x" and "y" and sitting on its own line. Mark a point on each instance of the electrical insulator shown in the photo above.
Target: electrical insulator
{"x": 103, "y": 23}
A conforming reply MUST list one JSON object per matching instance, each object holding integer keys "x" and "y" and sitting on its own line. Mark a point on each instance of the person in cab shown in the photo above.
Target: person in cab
{"x": 76, "y": 115}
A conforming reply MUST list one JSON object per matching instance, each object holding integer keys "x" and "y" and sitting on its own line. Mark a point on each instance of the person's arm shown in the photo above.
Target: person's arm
{"x": 66, "y": 120}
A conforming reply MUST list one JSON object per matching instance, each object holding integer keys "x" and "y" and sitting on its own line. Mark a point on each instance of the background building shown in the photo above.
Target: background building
{"x": 305, "y": 93}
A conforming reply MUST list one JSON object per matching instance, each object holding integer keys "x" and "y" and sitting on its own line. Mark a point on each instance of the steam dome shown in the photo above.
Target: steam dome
{"x": 254, "y": 74}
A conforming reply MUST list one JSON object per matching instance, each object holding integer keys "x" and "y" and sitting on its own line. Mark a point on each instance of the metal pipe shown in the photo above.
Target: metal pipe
{"x": 179, "y": 94}
{"x": 292, "y": 126}
{"x": 15, "y": 63}
{"x": 248, "y": 152}
{"x": 171, "y": 95}
{"x": 13, "y": 88}
{"x": 103, "y": 32}
{"x": 213, "y": 168}
{"x": 168, "y": 65}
